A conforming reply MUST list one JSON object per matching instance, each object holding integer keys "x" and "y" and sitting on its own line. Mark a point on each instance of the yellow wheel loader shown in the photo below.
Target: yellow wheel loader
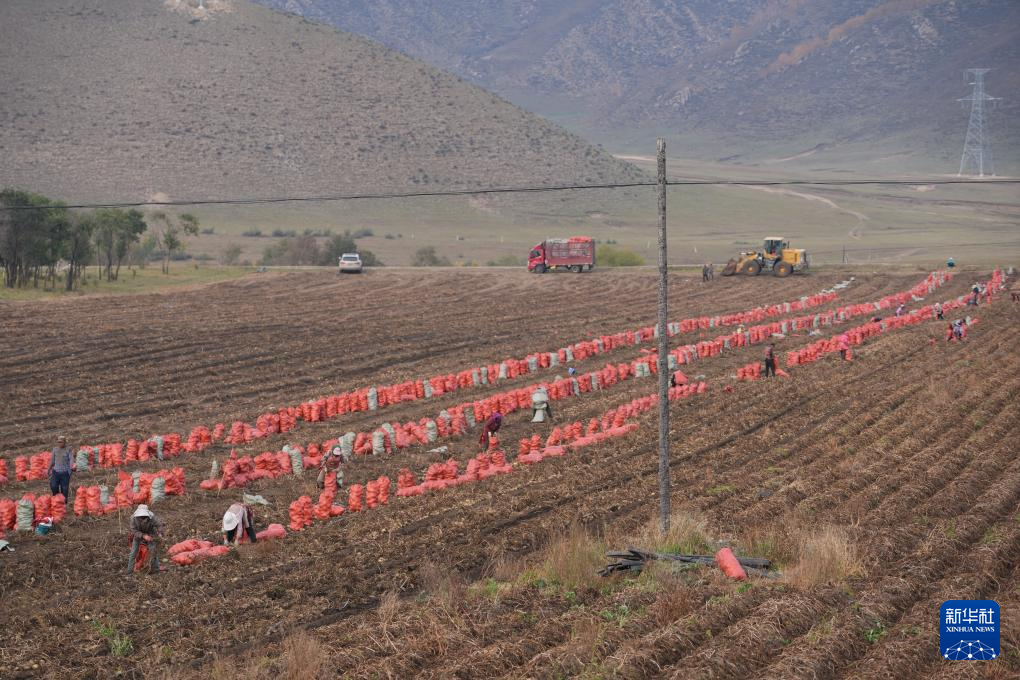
{"x": 777, "y": 257}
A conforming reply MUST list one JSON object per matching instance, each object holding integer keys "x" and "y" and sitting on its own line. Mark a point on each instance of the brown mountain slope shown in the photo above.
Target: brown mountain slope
{"x": 760, "y": 78}
{"x": 105, "y": 99}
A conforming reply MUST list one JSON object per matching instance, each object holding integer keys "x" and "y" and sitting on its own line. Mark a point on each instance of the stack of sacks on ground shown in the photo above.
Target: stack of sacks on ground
{"x": 30, "y": 509}
{"x": 325, "y": 508}
{"x": 301, "y": 513}
{"x": 239, "y": 471}
{"x": 27, "y": 468}
{"x": 193, "y": 551}
{"x": 443, "y": 475}
{"x": 273, "y": 531}
{"x": 613, "y": 423}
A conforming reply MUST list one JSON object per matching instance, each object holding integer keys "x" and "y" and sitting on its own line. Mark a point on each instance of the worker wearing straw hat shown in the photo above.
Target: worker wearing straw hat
{"x": 145, "y": 530}
{"x": 238, "y": 519}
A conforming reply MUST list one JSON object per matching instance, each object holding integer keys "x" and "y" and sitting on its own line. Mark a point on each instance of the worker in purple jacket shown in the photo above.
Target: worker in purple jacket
{"x": 489, "y": 429}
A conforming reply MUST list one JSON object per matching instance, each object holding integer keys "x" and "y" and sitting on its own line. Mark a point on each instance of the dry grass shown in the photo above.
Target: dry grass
{"x": 825, "y": 555}
{"x": 572, "y": 560}
{"x": 303, "y": 657}
{"x": 776, "y": 542}
{"x": 444, "y": 587}
{"x": 674, "y": 601}
{"x": 688, "y": 535}
{"x": 389, "y": 607}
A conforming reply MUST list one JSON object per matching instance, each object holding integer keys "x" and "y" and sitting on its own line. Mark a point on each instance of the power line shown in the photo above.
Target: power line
{"x": 515, "y": 190}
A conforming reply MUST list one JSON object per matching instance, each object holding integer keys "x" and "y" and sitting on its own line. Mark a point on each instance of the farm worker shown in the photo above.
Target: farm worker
{"x": 236, "y": 519}
{"x": 770, "y": 360}
{"x": 489, "y": 430}
{"x": 960, "y": 330}
{"x": 61, "y": 466}
{"x": 950, "y": 263}
{"x": 950, "y": 332}
{"x": 540, "y": 407}
{"x": 145, "y": 529}
{"x": 844, "y": 345}
{"x": 711, "y": 271}
{"x": 900, "y": 309}
{"x": 331, "y": 463}
{"x": 938, "y": 311}
{"x": 571, "y": 371}
{"x": 704, "y": 272}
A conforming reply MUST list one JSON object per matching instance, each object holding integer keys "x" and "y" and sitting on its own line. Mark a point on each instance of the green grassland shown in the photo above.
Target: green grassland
{"x": 911, "y": 223}
{"x": 133, "y": 280}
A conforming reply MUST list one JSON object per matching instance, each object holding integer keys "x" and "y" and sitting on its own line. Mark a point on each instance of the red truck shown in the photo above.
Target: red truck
{"x": 576, "y": 253}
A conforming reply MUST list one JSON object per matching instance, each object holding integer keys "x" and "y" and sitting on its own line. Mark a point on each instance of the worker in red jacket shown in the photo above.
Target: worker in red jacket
{"x": 489, "y": 430}
{"x": 844, "y": 345}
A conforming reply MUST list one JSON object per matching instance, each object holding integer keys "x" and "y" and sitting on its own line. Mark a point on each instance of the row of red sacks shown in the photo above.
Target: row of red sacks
{"x": 442, "y": 475}
{"x": 761, "y": 333}
{"x": 269, "y": 465}
{"x": 110, "y": 455}
{"x": 613, "y": 422}
{"x": 285, "y": 419}
{"x": 45, "y": 506}
{"x": 359, "y": 400}
{"x": 87, "y": 498}
{"x": 856, "y": 336}
{"x": 412, "y": 433}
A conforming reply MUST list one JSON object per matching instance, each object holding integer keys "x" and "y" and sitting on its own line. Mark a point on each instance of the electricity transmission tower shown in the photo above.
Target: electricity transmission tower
{"x": 977, "y": 152}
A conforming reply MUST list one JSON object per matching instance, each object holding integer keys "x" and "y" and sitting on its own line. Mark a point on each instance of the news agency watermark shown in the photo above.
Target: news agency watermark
{"x": 969, "y": 630}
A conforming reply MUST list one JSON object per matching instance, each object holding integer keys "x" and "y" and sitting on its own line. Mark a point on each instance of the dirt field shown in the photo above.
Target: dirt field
{"x": 879, "y": 488}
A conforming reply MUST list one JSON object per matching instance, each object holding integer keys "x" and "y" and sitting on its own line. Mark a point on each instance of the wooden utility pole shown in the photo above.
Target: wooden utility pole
{"x": 663, "y": 348}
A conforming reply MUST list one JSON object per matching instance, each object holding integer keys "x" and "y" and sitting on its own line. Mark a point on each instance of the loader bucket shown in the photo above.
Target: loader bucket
{"x": 731, "y": 268}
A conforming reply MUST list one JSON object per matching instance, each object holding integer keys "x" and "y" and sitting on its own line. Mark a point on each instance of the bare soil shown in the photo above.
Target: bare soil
{"x": 910, "y": 448}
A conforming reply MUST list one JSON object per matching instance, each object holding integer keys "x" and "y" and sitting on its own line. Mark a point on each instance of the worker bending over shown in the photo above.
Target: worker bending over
{"x": 489, "y": 430}
{"x": 237, "y": 519}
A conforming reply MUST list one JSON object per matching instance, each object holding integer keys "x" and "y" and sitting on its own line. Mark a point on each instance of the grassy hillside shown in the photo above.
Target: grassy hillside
{"x": 111, "y": 100}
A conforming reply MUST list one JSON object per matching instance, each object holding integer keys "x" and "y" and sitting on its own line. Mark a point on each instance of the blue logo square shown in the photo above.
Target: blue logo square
{"x": 969, "y": 630}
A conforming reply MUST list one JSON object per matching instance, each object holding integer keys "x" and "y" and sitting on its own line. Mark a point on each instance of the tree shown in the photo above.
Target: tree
{"x": 337, "y": 246}
{"x": 232, "y": 254}
{"x": 346, "y": 243}
{"x": 29, "y": 239}
{"x": 115, "y": 232}
{"x": 426, "y": 257}
{"x": 131, "y": 231}
{"x": 608, "y": 256}
{"x": 170, "y": 232}
{"x": 79, "y": 246}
